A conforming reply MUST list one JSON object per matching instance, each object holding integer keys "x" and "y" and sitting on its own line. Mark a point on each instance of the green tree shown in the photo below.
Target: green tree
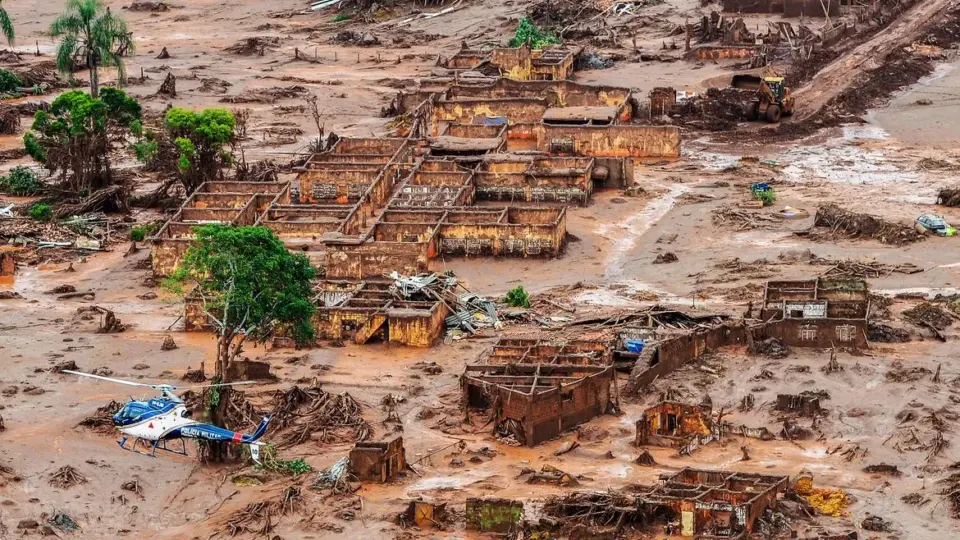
{"x": 201, "y": 141}
{"x": 89, "y": 30}
{"x": 6, "y": 25}
{"x": 250, "y": 287}
{"x": 76, "y": 136}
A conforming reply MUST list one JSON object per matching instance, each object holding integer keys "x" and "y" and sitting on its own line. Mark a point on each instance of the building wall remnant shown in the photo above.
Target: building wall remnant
{"x": 789, "y": 8}
{"x": 8, "y": 261}
{"x": 493, "y": 515}
{"x": 363, "y": 310}
{"x": 537, "y": 402}
{"x": 671, "y": 423}
{"x": 611, "y": 141}
{"x": 803, "y": 404}
{"x": 727, "y": 52}
{"x": 378, "y": 461}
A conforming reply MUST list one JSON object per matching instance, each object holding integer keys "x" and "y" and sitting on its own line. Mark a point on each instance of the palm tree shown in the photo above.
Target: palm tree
{"x": 89, "y": 30}
{"x": 6, "y": 25}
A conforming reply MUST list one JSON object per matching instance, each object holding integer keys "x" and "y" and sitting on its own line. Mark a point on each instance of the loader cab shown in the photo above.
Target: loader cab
{"x": 776, "y": 86}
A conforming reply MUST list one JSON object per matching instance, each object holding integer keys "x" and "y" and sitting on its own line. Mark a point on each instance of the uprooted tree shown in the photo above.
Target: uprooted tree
{"x": 76, "y": 137}
{"x": 251, "y": 288}
{"x": 193, "y": 146}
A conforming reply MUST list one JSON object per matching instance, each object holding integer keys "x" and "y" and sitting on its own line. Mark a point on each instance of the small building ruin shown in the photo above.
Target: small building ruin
{"x": 689, "y": 503}
{"x": 533, "y": 403}
{"x": 819, "y": 312}
{"x": 378, "y": 461}
{"x": 493, "y": 515}
{"x": 673, "y": 424}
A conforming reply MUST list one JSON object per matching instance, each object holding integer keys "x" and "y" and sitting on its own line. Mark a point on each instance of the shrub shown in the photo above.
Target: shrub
{"x": 528, "y": 33}
{"x": 21, "y": 181}
{"x": 518, "y": 298}
{"x": 41, "y": 212}
{"x": 340, "y": 17}
{"x": 9, "y": 82}
{"x": 270, "y": 463}
{"x": 140, "y": 232}
{"x": 766, "y": 196}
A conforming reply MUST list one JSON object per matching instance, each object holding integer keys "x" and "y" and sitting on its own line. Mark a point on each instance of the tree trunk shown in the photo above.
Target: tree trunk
{"x": 219, "y": 452}
{"x": 94, "y": 76}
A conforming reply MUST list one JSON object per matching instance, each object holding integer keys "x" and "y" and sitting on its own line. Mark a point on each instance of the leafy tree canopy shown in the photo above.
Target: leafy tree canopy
{"x": 76, "y": 135}
{"x": 250, "y": 283}
{"x": 527, "y": 32}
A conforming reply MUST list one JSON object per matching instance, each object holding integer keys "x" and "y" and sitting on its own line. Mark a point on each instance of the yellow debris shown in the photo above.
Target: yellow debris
{"x": 804, "y": 485}
{"x": 830, "y": 502}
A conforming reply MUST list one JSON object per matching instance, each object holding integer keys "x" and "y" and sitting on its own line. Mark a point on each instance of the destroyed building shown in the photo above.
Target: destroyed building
{"x": 542, "y": 351}
{"x": 690, "y": 503}
{"x": 366, "y": 207}
{"x": 519, "y": 63}
{"x": 361, "y": 311}
{"x": 673, "y": 424}
{"x": 533, "y": 403}
{"x": 713, "y": 503}
{"x": 819, "y": 312}
{"x": 378, "y": 461}
{"x": 788, "y": 8}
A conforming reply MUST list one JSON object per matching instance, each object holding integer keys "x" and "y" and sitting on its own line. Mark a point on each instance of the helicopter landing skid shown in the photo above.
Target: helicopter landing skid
{"x": 153, "y": 445}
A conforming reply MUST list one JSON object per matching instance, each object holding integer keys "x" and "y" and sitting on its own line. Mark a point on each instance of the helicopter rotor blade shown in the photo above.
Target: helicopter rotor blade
{"x": 213, "y": 385}
{"x": 108, "y": 379}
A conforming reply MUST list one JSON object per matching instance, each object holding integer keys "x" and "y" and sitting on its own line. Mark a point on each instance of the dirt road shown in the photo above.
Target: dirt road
{"x": 831, "y": 81}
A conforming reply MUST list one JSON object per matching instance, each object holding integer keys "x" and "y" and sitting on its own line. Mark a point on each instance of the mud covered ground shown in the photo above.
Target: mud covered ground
{"x": 691, "y": 208}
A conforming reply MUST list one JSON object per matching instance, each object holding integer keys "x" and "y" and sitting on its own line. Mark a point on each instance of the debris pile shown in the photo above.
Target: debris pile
{"x": 949, "y": 197}
{"x": 864, "y": 226}
{"x": 951, "y": 490}
{"x": 665, "y": 258}
{"x": 253, "y": 45}
{"x": 549, "y": 475}
{"x": 849, "y": 268}
{"x": 883, "y": 333}
{"x": 266, "y": 95}
{"x": 597, "y": 509}
{"x": 101, "y": 421}
{"x": 929, "y": 315}
{"x": 357, "y": 39}
{"x": 260, "y": 518}
{"x": 741, "y": 220}
{"x": 301, "y": 412}
{"x": 66, "y": 477}
{"x": 336, "y": 478}
{"x": 148, "y": 6}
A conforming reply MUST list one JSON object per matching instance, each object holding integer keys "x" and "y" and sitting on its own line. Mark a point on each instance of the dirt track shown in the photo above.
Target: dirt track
{"x": 834, "y": 79}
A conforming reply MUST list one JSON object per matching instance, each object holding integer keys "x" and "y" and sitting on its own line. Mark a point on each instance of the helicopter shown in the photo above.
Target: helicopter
{"x": 156, "y": 421}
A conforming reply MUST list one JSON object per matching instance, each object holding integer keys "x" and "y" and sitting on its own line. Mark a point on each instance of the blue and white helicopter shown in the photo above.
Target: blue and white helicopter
{"x": 156, "y": 421}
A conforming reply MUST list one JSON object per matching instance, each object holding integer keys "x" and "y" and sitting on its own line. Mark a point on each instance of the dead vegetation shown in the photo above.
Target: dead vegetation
{"x": 928, "y": 314}
{"x": 256, "y": 45}
{"x": 299, "y": 413}
{"x": 864, "y": 226}
{"x": 266, "y": 95}
{"x": 66, "y": 477}
{"x": 741, "y": 220}
{"x": 101, "y": 421}
{"x": 260, "y": 518}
